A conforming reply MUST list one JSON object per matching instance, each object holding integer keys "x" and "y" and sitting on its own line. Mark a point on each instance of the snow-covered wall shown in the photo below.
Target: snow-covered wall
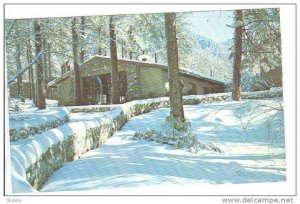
{"x": 37, "y": 122}
{"x": 33, "y": 160}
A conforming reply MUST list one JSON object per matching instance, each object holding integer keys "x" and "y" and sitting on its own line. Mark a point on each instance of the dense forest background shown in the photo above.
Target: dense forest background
{"x": 144, "y": 34}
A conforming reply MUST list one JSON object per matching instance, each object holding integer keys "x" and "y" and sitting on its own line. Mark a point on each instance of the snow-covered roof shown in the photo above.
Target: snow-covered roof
{"x": 57, "y": 80}
{"x": 93, "y": 61}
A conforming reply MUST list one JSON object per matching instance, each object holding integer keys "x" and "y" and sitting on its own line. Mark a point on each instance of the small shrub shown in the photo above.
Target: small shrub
{"x": 177, "y": 133}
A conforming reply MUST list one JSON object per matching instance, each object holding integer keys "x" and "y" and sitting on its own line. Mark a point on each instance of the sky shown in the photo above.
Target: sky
{"x": 212, "y": 24}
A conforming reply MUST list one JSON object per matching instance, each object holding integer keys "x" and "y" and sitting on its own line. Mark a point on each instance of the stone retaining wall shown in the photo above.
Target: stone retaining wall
{"x": 88, "y": 109}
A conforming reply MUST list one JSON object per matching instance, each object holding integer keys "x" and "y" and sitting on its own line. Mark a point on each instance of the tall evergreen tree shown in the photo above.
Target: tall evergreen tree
{"x": 75, "y": 45}
{"x": 82, "y": 36}
{"x": 49, "y": 59}
{"x": 175, "y": 85}
{"x": 39, "y": 74}
{"x": 237, "y": 58}
{"x": 114, "y": 62}
{"x": 45, "y": 65}
{"x": 261, "y": 49}
{"x": 31, "y": 74}
{"x": 19, "y": 66}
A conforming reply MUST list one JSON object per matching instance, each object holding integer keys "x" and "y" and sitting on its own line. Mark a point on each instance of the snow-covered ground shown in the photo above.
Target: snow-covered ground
{"x": 16, "y": 106}
{"x": 250, "y": 133}
{"x": 24, "y": 114}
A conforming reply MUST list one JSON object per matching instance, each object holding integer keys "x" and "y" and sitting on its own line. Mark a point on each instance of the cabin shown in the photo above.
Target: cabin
{"x": 138, "y": 80}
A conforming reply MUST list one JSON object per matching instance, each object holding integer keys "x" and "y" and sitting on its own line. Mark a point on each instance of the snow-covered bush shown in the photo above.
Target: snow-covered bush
{"x": 273, "y": 93}
{"x": 178, "y": 134}
{"x": 255, "y": 82}
{"x": 270, "y": 117}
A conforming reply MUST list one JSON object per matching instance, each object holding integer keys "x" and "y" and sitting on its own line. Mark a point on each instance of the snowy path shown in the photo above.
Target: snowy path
{"x": 122, "y": 163}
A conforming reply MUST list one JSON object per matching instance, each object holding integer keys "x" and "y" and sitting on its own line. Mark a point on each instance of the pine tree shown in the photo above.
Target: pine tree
{"x": 82, "y": 36}
{"x": 45, "y": 65}
{"x": 114, "y": 62}
{"x": 30, "y": 74}
{"x": 261, "y": 48}
{"x": 75, "y": 45}
{"x": 19, "y": 66}
{"x": 40, "y": 92}
{"x": 175, "y": 85}
{"x": 237, "y": 59}
{"x": 49, "y": 59}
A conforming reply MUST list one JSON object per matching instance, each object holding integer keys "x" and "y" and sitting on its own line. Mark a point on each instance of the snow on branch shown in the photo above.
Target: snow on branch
{"x": 25, "y": 68}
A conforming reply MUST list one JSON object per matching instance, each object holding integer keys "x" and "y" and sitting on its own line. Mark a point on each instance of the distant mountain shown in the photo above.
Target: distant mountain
{"x": 227, "y": 43}
{"x": 205, "y": 42}
{"x": 220, "y": 50}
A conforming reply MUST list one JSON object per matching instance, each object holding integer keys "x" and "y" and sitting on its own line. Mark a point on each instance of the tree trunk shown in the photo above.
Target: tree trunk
{"x": 45, "y": 66}
{"x": 49, "y": 61}
{"x": 82, "y": 34}
{"x": 99, "y": 41}
{"x": 130, "y": 36}
{"x": 49, "y": 69}
{"x": 114, "y": 63}
{"x": 123, "y": 49}
{"x": 75, "y": 62}
{"x": 29, "y": 80}
{"x": 237, "y": 60}
{"x": 20, "y": 79}
{"x": 30, "y": 71}
{"x": 175, "y": 85}
{"x": 40, "y": 89}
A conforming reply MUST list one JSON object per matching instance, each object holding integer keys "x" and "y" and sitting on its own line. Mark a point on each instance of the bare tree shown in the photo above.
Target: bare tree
{"x": 40, "y": 89}
{"x": 114, "y": 62}
{"x": 175, "y": 84}
{"x": 75, "y": 45}
{"x": 237, "y": 59}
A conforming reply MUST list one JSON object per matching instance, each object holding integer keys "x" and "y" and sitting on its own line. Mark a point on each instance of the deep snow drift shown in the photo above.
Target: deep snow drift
{"x": 250, "y": 133}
